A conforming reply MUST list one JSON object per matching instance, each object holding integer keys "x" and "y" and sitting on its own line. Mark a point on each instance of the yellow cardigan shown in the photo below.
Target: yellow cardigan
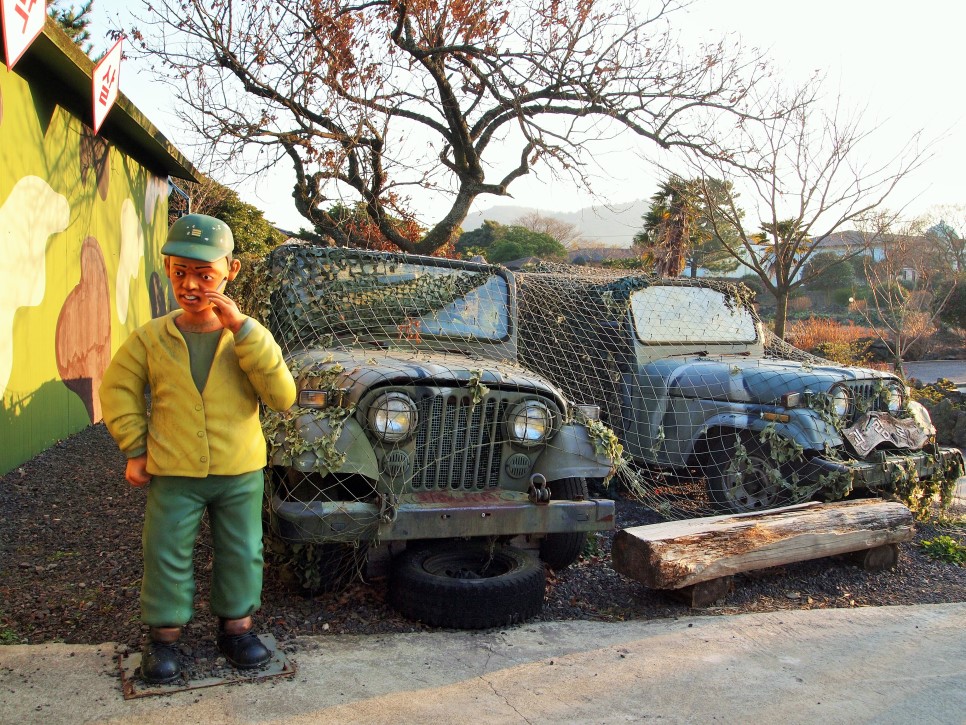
{"x": 216, "y": 432}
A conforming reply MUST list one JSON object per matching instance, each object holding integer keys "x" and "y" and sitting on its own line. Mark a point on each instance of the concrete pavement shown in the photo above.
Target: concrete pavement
{"x": 929, "y": 371}
{"x": 876, "y": 664}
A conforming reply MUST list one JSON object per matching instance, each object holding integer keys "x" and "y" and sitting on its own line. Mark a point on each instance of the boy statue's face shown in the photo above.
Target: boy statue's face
{"x": 191, "y": 278}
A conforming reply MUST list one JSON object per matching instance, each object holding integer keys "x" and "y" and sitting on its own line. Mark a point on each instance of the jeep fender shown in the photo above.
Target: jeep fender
{"x": 804, "y": 427}
{"x": 359, "y": 457}
{"x": 573, "y": 456}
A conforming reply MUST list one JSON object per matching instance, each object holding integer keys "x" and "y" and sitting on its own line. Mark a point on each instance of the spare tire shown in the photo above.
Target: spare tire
{"x": 467, "y": 584}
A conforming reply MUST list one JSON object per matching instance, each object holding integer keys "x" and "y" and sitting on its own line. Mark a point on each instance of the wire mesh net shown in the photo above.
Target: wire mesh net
{"x": 715, "y": 413}
{"x": 433, "y": 385}
{"x": 415, "y": 419}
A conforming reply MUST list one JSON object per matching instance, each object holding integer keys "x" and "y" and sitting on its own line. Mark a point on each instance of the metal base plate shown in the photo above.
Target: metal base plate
{"x": 133, "y": 686}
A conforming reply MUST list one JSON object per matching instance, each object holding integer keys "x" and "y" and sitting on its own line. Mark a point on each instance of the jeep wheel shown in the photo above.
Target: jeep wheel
{"x": 561, "y": 550}
{"x": 467, "y": 585}
{"x": 740, "y": 484}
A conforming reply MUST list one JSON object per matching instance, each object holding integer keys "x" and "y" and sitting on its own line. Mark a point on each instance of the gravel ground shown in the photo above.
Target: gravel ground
{"x": 70, "y": 566}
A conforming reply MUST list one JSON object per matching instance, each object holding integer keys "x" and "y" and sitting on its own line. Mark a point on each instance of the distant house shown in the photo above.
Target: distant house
{"x": 82, "y": 220}
{"x": 851, "y": 242}
{"x": 854, "y": 242}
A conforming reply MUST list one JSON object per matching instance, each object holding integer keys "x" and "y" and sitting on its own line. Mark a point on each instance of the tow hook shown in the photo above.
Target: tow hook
{"x": 539, "y": 493}
{"x": 387, "y": 507}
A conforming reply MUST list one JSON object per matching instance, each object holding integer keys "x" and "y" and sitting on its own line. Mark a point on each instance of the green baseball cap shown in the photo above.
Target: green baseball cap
{"x": 201, "y": 237}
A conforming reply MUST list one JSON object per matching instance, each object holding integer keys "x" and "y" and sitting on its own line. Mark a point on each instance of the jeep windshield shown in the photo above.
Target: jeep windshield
{"x": 669, "y": 314}
{"x": 320, "y": 292}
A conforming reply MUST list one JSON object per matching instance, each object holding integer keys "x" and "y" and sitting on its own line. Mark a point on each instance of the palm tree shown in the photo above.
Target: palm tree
{"x": 670, "y": 225}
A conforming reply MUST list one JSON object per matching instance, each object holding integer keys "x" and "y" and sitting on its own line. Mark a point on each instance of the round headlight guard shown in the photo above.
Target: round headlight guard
{"x": 841, "y": 399}
{"x": 529, "y": 423}
{"x": 893, "y": 395}
{"x": 392, "y": 417}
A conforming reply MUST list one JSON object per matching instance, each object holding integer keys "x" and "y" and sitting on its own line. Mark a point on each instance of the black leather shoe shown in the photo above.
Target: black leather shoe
{"x": 160, "y": 662}
{"x": 244, "y": 651}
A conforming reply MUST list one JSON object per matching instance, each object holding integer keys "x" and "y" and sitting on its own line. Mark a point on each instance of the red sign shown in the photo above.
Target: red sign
{"x": 106, "y": 81}
{"x": 23, "y": 20}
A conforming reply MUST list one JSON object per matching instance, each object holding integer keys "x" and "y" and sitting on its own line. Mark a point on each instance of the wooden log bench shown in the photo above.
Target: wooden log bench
{"x": 696, "y": 558}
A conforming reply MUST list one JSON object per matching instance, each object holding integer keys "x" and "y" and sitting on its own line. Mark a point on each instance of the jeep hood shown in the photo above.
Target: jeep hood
{"x": 753, "y": 381}
{"x": 360, "y": 370}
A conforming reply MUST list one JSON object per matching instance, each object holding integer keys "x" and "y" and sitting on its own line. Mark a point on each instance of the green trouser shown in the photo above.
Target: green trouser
{"x": 172, "y": 518}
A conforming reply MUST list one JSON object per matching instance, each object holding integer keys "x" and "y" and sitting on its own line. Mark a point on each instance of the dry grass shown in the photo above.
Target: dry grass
{"x": 811, "y": 333}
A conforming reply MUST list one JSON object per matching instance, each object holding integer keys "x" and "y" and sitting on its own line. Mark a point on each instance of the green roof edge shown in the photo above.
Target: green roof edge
{"x": 125, "y": 124}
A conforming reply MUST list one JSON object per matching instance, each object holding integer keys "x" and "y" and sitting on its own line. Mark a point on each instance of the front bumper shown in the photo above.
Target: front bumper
{"x": 437, "y": 515}
{"x": 890, "y": 466}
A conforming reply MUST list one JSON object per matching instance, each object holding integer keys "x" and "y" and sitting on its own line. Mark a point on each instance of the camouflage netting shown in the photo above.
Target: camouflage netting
{"x": 675, "y": 372}
{"x": 327, "y": 295}
{"x": 372, "y": 334}
{"x": 574, "y": 329}
{"x": 452, "y": 351}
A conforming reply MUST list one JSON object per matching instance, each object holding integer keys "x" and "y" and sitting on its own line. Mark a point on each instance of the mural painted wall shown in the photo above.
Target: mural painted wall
{"x": 81, "y": 226}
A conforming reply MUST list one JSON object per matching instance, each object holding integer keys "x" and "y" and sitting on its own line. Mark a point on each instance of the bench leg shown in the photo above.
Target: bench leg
{"x": 703, "y": 594}
{"x": 878, "y": 558}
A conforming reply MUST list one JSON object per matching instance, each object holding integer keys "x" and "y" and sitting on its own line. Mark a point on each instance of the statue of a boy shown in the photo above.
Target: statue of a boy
{"x": 201, "y": 448}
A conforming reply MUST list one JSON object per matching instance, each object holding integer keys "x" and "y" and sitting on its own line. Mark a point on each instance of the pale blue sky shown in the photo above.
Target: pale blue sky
{"x": 901, "y": 61}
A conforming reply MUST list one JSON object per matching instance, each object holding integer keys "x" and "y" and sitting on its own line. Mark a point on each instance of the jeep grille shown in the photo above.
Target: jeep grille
{"x": 865, "y": 397}
{"x": 458, "y": 444}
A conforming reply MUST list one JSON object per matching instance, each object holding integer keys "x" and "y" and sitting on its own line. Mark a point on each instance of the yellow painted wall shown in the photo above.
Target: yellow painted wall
{"x": 81, "y": 226}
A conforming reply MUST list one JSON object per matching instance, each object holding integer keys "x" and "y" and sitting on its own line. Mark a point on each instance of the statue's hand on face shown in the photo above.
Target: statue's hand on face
{"x": 197, "y": 287}
{"x": 226, "y": 310}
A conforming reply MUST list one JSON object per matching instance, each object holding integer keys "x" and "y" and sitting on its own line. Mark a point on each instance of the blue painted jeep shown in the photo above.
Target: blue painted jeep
{"x": 682, "y": 373}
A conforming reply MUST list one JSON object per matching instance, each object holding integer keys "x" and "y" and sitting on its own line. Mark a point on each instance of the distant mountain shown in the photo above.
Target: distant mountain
{"x": 614, "y": 226}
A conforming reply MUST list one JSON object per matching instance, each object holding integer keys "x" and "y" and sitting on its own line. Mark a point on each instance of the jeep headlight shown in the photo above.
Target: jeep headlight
{"x": 840, "y": 398}
{"x": 893, "y": 395}
{"x": 529, "y": 423}
{"x": 392, "y": 417}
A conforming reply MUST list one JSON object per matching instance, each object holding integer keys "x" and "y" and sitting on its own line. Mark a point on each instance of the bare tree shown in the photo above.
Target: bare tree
{"x": 376, "y": 100}
{"x": 564, "y": 232}
{"x": 206, "y": 194}
{"x": 907, "y": 290}
{"x": 816, "y": 185}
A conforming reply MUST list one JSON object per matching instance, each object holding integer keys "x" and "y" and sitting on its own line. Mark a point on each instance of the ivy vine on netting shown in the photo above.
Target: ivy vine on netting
{"x": 922, "y": 496}
{"x": 679, "y": 367}
{"x": 683, "y": 374}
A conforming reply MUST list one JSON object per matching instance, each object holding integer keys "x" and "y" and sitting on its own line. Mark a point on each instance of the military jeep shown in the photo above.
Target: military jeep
{"x": 416, "y": 433}
{"x": 687, "y": 382}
